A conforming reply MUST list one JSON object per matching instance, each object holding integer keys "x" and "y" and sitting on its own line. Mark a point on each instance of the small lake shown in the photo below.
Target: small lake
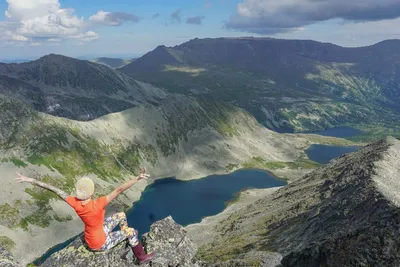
{"x": 340, "y": 132}
{"x": 324, "y": 153}
{"x": 190, "y": 201}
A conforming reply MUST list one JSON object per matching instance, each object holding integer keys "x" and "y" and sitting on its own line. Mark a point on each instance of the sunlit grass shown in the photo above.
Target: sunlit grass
{"x": 190, "y": 70}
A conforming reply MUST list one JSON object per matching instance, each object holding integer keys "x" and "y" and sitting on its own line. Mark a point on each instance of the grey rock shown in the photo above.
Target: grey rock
{"x": 6, "y": 259}
{"x": 170, "y": 241}
{"x": 178, "y": 253}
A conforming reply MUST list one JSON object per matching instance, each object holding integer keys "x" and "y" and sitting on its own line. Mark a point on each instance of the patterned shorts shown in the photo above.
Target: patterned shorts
{"x": 116, "y": 237}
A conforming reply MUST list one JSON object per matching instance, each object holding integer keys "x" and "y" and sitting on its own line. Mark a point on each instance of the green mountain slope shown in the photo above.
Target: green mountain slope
{"x": 286, "y": 84}
{"x": 73, "y": 88}
{"x": 181, "y": 136}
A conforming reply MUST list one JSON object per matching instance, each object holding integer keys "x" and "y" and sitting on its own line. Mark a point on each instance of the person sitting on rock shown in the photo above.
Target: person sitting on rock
{"x": 98, "y": 232}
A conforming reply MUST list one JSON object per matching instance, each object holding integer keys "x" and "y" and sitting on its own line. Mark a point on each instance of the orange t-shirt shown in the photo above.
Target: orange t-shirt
{"x": 92, "y": 215}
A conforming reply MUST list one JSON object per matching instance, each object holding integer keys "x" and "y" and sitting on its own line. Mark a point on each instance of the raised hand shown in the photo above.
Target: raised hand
{"x": 21, "y": 178}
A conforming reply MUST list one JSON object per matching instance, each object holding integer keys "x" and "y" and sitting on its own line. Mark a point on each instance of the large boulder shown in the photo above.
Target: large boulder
{"x": 167, "y": 238}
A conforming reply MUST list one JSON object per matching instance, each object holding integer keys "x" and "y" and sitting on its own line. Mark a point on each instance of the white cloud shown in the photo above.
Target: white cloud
{"x": 349, "y": 34}
{"x": 112, "y": 18}
{"x": 20, "y": 10}
{"x": 99, "y": 17}
{"x": 54, "y": 40}
{"x": 36, "y": 44}
{"x": 87, "y": 36}
{"x": 35, "y": 20}
{"x": 10, "y": 36}
{"x": 270, "y": 17}
{"x": 42, "y": 18}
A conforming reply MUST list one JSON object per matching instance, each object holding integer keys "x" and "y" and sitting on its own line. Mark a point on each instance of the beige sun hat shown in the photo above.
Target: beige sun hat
{"x": 84, "y": 188}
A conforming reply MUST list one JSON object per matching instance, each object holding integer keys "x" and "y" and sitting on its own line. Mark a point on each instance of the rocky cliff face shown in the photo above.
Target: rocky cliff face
{"x": 6, "y": 259}
{"x": 166, "y": 238}
{"x": 346, "y": 213}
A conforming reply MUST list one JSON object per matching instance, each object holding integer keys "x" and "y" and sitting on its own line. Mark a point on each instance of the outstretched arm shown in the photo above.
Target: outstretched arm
{"x": 114, "y": 194}
{"x": 21, "y": 178}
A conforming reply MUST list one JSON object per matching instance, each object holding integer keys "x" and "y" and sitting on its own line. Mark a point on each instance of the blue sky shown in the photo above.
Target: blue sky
{"x": 33, "y": 28}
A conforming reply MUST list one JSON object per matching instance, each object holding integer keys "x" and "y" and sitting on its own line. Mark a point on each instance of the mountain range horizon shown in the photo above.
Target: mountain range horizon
{"x": 137, "y": 55}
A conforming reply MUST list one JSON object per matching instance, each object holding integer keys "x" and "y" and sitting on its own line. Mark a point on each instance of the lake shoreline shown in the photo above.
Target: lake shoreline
{"x": 278, "y": 174}
{"x": 147, "y": 188}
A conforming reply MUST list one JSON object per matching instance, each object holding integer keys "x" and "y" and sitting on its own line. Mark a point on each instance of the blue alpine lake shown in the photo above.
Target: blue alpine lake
{"x": 340, "y": 132}
{"x": 190, "y": 201}
{"x": 324, "y": 153}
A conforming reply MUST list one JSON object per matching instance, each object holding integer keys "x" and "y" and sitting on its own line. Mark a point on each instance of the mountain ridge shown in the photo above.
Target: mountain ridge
{"x": 73, "y": 88}
{"x": 342, "y": 214}
{"x": 113, "y": 62}
{"x": 327, "y": 84}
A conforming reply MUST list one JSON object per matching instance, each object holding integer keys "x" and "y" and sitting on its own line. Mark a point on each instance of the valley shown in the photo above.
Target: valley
{"x": 181, "y": 137}
{"x": 188, "y": 112}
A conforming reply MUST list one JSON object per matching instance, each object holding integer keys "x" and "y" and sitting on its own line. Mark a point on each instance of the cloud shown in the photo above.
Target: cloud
{"x": 156, "y": 15}
{"x": 176, "y": 16}
{"x": 10, "y": 36}
{"x": 270, "y": 17}
{"x": 54, "y": 40}
{"x": 363, "y": 33}
{"x": 113, "y": 18}
{"x": 195, "y": 20}
{"x": 41, "y": 20}
{"x": 87, "y": 36}
{"x": 36, "y": 44}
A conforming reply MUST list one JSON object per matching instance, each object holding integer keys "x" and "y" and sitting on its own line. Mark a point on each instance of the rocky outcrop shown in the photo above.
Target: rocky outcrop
{"x": 346, "y": 213}
{"x": 166, "y": 238}
{"x": 6, "y": 259}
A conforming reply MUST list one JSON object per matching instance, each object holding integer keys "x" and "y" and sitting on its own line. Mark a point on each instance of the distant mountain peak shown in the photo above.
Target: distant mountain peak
{"x": 155, "y": 60}
{"x": 389, "y": 42}
{"x": 55, "y": 56}
{"x": 73, "y": 88}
